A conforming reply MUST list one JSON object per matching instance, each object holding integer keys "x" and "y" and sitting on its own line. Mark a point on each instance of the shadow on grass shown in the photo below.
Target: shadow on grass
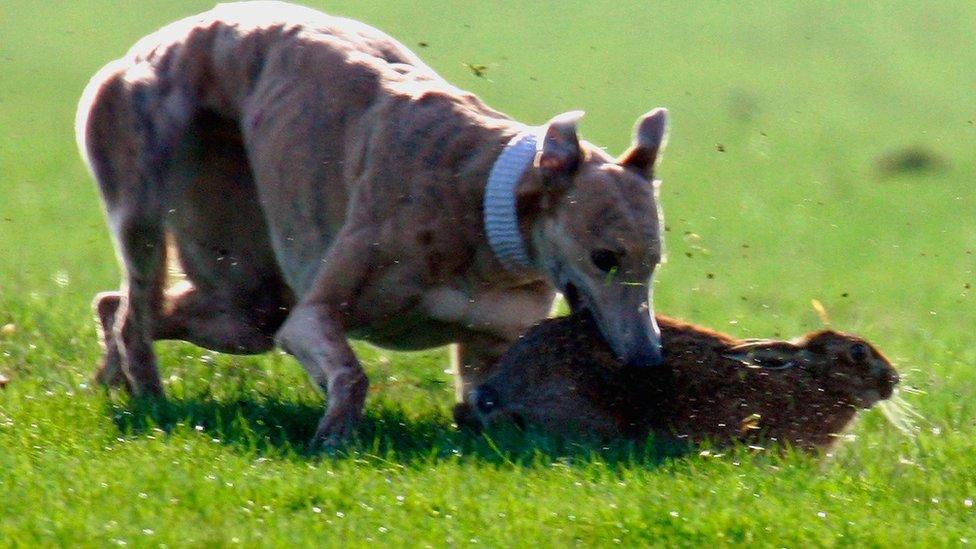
{"x": 269, "y": 427}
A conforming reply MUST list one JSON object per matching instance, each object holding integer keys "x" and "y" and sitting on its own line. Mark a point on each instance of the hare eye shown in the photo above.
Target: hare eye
{"x": 605, "y": 260}
{"x": 858, "y": 352}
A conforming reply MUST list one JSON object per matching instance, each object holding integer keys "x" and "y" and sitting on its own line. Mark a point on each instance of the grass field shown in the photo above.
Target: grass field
{"x": 782, "y": 184}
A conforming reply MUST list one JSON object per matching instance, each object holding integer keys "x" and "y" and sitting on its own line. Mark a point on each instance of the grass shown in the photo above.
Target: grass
{"x": 776, "y": 191}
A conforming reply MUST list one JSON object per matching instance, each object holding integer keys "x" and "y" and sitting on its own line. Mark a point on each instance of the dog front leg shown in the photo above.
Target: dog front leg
{"x": 314, "y": 336}
{"x": 314, "y": 333}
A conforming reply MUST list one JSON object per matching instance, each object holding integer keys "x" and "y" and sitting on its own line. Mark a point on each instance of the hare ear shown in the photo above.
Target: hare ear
{"x": 650, "y": 136}
{"x": 560, "y": 151}
{"x": 764, "y": 353}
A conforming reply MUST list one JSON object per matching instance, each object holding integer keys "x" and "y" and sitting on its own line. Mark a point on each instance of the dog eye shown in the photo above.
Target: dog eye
{"x": 858, "y": 352}
{"x": 605, "y": 260}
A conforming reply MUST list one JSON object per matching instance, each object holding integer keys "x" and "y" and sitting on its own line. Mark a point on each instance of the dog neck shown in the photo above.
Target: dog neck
{"x": 500, "y": 203}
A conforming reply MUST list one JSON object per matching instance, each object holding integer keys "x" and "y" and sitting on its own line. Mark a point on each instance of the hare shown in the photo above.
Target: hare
{"x": 563, "y": 378}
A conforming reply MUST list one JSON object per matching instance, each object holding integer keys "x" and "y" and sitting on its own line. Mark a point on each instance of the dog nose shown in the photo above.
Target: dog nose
{"x": 647, "y": 357}
{"x": 648, "y": 352}
{"x": 485, "y": 399}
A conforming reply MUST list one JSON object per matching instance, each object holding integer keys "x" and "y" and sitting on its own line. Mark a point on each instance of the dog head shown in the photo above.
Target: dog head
{"x": 594, "y": 226}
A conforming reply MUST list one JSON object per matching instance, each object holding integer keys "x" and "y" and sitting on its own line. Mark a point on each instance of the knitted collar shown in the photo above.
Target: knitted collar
{"x": 501, "y": 220}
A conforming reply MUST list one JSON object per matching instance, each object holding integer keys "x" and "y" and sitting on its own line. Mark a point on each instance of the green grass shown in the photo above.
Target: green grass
{"x": 803, "y": 99}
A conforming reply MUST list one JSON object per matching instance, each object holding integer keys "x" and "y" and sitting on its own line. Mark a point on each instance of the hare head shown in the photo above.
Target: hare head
{"x": 842, "y": 365}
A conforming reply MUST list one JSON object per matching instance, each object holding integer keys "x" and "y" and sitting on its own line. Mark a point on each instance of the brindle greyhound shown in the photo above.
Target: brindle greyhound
{"x": 316, "y": 180}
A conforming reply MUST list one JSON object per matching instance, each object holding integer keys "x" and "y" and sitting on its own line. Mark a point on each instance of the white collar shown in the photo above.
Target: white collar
{"x": 501, "y": 218}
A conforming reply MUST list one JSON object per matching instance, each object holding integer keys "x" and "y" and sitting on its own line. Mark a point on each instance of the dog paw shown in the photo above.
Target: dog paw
{"x": 109, "y": 374}
{"x": 147, "y": 388}
{"x": 330, "y": 445}
{"x": 334, "y": 433}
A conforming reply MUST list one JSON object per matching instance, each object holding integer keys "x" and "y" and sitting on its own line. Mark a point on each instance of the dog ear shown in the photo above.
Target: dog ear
{"x": 650, "y": 136}
{"x": 560, "y": 152}
{"x": 764, "y": 353}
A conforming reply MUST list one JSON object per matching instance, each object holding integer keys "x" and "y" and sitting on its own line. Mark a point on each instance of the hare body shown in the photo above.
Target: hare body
{"x": 803, "y": 392}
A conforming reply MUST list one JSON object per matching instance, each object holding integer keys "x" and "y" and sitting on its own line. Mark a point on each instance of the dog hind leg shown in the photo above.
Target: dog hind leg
{"x": 141, "y": 249}
{"x": 128, "y": 133}
{"x": 106, "y": 306}
{"x": 233, "y": 299}
{"x": 209, "y": 321}
{"x": 187, "y": 315}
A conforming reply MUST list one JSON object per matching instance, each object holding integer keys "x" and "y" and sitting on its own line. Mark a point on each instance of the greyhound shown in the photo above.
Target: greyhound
{"x": 315, "y": 181}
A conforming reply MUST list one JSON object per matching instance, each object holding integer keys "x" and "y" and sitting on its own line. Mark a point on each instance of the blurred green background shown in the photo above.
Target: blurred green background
{"x": 818, "y": 151}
